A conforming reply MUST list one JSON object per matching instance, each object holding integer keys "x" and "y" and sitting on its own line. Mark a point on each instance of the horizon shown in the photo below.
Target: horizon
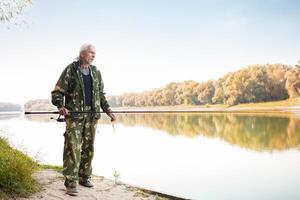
{"x": 145, "y": 45}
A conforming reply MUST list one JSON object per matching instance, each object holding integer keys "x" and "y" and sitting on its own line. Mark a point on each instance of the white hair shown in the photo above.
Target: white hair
{"x": 84, "y": 48}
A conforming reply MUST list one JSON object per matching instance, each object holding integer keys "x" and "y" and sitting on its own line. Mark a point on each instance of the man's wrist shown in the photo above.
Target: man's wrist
{"x": 108, "y": 110}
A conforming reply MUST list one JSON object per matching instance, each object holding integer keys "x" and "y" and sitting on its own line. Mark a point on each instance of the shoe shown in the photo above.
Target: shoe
{"x": 72, "y": 191}
{"x": 86, "y": 183}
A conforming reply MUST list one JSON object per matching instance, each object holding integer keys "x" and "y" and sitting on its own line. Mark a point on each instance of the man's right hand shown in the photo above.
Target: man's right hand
{"x": 63, "y": 111}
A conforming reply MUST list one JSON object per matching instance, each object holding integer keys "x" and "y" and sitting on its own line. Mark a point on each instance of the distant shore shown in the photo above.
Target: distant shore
{"x": 286, "y": 106}
{"x": 212, "y": 109}
{"x": 290, "y": 105}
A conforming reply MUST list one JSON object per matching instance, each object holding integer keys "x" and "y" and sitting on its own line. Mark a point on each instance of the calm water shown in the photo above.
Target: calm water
{"x": 198, "y": 156}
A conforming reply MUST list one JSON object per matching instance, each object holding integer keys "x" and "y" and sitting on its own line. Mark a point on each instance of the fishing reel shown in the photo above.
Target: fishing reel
{"x": 59, "y": 119}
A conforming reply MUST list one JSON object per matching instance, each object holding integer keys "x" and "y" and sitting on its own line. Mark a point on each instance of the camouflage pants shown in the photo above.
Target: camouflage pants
{"x": 78, "y": 149}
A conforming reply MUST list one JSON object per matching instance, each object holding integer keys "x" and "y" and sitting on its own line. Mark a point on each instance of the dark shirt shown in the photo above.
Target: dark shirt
{"x": 88, "y": 88}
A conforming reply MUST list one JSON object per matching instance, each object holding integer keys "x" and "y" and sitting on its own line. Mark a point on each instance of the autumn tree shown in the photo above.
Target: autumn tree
{"x": 186, "y": 93}
{"x": 293, "y": 81}
{"x": 205, "y": 92}
{"x": 276, "y": 81}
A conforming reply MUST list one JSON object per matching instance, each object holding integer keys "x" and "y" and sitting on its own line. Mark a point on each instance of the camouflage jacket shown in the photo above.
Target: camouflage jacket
{"x": 69, "y": 90}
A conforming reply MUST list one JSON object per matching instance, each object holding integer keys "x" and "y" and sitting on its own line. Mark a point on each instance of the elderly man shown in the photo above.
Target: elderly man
{"x": 80, "y": 88}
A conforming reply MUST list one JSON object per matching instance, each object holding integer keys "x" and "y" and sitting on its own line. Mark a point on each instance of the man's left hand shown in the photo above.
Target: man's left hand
{"x": 111, "y": 115}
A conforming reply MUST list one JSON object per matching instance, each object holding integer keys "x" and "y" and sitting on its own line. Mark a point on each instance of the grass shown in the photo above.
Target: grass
{"x": 54, "y": 167}
{"x": 283, "y": 103}
{"x": 16, "y": 170}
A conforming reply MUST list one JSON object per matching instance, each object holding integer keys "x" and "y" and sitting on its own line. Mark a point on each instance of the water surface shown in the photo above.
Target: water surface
{"x": 197, "y": 156}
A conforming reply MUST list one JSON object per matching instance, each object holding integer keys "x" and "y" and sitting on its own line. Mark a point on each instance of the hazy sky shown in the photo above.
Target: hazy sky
{"x": 144, "y": 44}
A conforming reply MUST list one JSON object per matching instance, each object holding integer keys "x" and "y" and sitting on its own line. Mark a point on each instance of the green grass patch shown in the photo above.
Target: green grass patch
{"x": 54, "y": 167}
{"x": 283, "y": 103}
{"x": 16, "y": 170}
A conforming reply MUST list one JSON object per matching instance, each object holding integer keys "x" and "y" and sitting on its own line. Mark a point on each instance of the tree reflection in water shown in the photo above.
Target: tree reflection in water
{"x": 259, "y": 132}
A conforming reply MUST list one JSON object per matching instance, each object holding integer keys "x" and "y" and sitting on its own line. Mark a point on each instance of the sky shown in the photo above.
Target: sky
{"x": 142, "y": 44}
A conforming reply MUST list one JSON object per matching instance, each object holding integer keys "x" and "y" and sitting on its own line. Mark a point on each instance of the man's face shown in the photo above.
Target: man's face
{"x": 88, "y": 55}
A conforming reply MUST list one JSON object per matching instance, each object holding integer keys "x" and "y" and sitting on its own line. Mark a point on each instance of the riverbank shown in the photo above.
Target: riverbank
{"x": 285, "y": 106}
{"x": 288, "y": 105}
{"x": 23, "y": 178}
{"x": 104, "y": 189}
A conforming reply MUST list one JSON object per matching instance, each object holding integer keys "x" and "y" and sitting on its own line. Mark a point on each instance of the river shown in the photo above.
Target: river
{"x": 196, "y": 156}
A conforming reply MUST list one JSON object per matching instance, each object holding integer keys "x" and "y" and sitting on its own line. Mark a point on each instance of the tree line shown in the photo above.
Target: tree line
{"x": 256, "y": 83}
{"x": 39, "y": 104}
{"x": 10, "y": 107}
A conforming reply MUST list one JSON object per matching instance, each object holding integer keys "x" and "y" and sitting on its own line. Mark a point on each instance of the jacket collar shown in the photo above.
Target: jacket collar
{"x": 76, "y": 65}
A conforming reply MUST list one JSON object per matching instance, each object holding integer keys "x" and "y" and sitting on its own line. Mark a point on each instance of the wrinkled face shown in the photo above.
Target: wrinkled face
{"x": 88, "y": 56}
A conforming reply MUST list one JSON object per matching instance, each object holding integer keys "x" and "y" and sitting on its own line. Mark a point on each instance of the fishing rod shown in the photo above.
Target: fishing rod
{"x": 125, "y": 112}
{"x": 59, "y": 119}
